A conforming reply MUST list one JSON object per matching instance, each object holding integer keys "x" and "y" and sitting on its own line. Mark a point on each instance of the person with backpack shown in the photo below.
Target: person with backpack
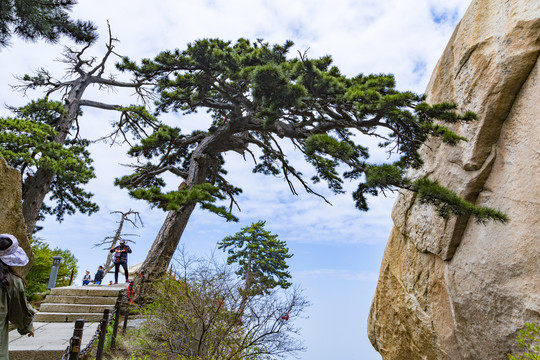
{"x": 86, "y": 278}
{"x": 13, "y": 305}
{"x": 120, "y": 259}
{"x": 100, "y": 274}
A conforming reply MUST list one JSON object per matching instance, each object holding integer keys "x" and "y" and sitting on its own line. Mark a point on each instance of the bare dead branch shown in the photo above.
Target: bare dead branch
{"x": 99, "y": 105}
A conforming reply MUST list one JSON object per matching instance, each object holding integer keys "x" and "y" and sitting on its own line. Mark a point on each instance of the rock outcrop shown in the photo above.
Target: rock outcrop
{"x": 11, "y": 217}
{"x": 457, "y": 289}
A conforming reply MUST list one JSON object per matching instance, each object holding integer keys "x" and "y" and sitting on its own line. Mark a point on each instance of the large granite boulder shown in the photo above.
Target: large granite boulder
{"x": 456, "y": 289}
{"x": 11, "y": 217}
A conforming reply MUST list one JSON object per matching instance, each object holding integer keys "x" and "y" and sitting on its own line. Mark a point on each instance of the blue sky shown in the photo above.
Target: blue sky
{"x": 337, "y": 249}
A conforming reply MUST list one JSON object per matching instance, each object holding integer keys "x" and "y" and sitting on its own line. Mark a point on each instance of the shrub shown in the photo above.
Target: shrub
{"x": 194, "y": 314}
{"x": 528, "y": 339}
{"x": 38, "y": 277}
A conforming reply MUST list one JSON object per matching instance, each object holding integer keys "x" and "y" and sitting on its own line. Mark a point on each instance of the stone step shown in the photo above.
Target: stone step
{"x": 67, "y": 299}
{"x": 74, "y": 308}
{"x": 90, "y": 290}
{"x": 65, "y": 317}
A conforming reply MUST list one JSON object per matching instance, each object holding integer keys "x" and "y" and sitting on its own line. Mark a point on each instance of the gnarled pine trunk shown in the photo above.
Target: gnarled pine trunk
{"x": 162, "y": 251}
{"x": 36, "y": 187}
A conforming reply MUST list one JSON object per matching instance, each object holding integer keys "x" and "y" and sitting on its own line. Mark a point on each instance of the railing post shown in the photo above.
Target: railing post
{"x": 75, "y": 341}
{"x": 126, "y": 314}
{"x": 117, "y": 306}
{"x": 103, "y": 325}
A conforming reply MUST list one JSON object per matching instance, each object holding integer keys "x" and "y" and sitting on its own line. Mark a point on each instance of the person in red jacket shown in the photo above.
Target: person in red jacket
{"x": 120, "y": 258}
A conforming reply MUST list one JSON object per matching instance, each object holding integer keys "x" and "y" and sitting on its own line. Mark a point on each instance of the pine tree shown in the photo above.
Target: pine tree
{"x": 259, "y": 98}
{"x": 82, "y": 73}
{"x": 47, "y": 19}
{"x": 26, "y": 144}
{"x": 261, "y": 259}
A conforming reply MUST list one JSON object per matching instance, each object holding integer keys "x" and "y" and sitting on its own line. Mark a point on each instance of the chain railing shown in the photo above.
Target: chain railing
{"x": 74, "y": 352}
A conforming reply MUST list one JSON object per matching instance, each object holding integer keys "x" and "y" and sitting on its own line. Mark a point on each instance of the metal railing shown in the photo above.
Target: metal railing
{"x": 74, "y": 352}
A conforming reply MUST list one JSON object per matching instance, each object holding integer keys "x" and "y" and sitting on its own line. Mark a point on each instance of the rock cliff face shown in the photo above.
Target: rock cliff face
{"x": 457, "y": 289}
{"x": 11, "y": 218}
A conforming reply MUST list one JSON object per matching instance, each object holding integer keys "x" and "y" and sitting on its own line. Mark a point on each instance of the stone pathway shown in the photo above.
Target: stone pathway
{"x": 49, "y": 342}
{"x": 54, "y": 324}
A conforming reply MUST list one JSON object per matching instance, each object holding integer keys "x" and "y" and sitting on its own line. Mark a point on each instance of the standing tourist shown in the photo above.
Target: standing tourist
{"x": 13, "y": 306}
{"x": 120, "y": 258}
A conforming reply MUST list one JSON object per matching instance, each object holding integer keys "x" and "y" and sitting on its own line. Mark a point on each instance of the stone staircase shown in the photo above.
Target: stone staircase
{"x": 67, "y": 304}
{"x": 54, "y": 322}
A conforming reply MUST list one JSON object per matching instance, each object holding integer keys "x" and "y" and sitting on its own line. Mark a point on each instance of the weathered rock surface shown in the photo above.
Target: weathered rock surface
{"x": 11, "y": 217}
{"x": 457, "y": 289}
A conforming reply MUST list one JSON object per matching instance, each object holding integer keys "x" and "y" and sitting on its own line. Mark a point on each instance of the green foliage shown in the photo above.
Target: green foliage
{"x": 134, "y": 119}
{"x": 448, "y": 203}
{"x": 26, "y": 142}
{"x": 38, "y": 277}
{"x": 528, "y": 339}
{"x": 166, "y": 142}
{"x": 387, "y": 176}
{"x": 108, "y": 336}
{"x": 377, "y": 178}
{"x": 256, "y": 94}
{"x": 107, "y": 345}
{"x": 46, "y": 19}
{"x": 134, "y": 356}
{"x": 260, "y": 256}
{"x": 204, "y": 194}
